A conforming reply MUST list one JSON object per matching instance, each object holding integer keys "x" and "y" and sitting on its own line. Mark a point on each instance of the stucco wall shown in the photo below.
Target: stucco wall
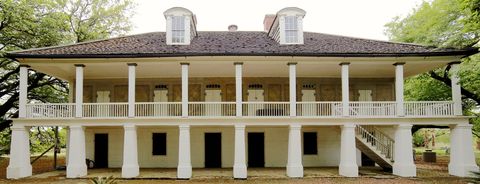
{"x": 276, "y": 146}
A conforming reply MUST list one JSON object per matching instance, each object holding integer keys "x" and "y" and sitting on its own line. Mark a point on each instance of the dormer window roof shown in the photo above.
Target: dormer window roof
{"x": 181, "y": 26}
{"x": 287, "y": 27}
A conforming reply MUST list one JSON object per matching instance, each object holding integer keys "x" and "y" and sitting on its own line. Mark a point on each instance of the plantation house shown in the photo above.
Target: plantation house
{"x": 281, "y": 97}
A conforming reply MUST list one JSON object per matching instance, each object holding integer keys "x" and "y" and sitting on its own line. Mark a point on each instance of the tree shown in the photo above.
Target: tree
{"x": 445, "y": 24}
{"x": 28, "y": 24}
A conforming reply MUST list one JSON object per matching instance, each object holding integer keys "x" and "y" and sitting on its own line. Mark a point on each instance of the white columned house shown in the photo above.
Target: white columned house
{"x": 404, "y": 165}
{"x": 76, "y": 158}
{"x": 19, "y": 165}
{"x": 160, "y": 115}
{"x": 240, "y": 166}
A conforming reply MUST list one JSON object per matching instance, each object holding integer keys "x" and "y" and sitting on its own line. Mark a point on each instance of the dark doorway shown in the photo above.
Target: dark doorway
{"x": 101, "y": 150}
{"x": 256, "y": 150}
{"x": 213, "y": 150}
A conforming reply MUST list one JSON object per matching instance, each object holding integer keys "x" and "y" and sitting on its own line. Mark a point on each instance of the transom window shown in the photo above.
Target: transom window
{"x": 178, "y": 29}
{"x": 291, "y": 29}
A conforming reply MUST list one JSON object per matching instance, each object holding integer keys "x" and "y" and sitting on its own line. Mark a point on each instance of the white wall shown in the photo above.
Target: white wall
{"x": 276, "y": 145}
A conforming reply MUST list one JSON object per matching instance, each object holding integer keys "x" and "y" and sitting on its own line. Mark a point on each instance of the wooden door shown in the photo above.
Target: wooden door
{"x": 308, "y": 109}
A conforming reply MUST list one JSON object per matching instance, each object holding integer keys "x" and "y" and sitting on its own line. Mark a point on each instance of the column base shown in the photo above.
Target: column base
{"x": 348, "y": 170}
{"x": 295, "y": 171}
{"x": 130, "y": 171}
{"x": 76, "y": 171}
{"x": 16, "y": 172}
{"x": 405, "y": 170}
{"x": 462, "y": 170}
{"x": 240, "y": 171}
{"x": 184, "y": 172}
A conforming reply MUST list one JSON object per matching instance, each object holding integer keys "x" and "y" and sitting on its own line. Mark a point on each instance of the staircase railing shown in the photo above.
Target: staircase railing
{"x": 377, "y": 139}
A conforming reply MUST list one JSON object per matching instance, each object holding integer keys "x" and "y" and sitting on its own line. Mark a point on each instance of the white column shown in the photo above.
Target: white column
{"x": 456, "y": 89}
{"x": 399, "y": 88}
{"x": 238, "y": 87}
{"x": 23, "y": 88}
{"x": 131, "y": 89}
{"x": 76, "y": 159}
{"x": 462, "y": 158}
{"x": 403, "y": 152}
{"x": 345, "y": 90}
{"x": 19, "y": 165}
{"x": 185, "y": 89}
{"x": 67, "y": 145}
{"x": 239, "y": 165}
{"x": 292, "y": 67}
{"x": 184, "y": 169}
{"x": 348, "y": 156}
{"x": 130, "y": 166}
{"x": 79, "y": 90}
{"x": 294, "y": 162}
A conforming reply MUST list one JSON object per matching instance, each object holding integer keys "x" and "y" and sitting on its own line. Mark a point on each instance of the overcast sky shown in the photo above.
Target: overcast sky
{"x": 357, "y": 18}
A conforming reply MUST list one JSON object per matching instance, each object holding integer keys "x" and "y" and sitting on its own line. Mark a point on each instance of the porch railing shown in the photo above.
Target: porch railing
{"x": 158, "y": 109}
{"x": 429, "y": 108}
{"x": 211, "y": 109}
{"x": 250, "y": 109}
{"x": 277, "y": 109}
{"x": 319, "y": 109}
{"x": 105, "y": 110}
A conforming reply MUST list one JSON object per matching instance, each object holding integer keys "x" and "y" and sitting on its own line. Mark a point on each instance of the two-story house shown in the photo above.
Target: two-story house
{"x": 282, "y": 97}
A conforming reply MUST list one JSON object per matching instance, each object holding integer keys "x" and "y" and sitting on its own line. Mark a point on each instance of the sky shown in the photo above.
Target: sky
{"x": 355, "y": 18}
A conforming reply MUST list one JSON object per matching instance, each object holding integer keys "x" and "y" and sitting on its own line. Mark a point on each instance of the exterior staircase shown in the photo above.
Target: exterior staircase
{"x": 376, "y": 145}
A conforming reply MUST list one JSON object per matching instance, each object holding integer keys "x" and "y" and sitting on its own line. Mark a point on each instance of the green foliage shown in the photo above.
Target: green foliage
{"x": 424, "y": 88}
{"x": 418, "y": 139}
{"x": 103, "y": 180}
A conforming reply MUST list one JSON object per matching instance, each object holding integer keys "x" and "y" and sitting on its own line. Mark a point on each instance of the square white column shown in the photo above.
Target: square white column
{"x": 403, "y": 152}
{"x": 345, "y": 89}
{"x": 294, "y": 160}
{"x": 19, "y": 165}
{"x": 184, "y": 169}
{"x": 184, "y": 89}
{"x": 79, "y": 90}
{"x": 292, "y": 68}
{"x": 348, "y": 152}
{"x": 462, "y": 157}
{"x": 130, "y": 166}
{"x": 399, "y": 88}
{"x": 456, "y": 89}
{"x": 77, "y": 166}
{"x": 131, "y": 89}
{"x": 238, "y": 88}
{"x": 239, "y": 165}
{"x": 23, "y": 91}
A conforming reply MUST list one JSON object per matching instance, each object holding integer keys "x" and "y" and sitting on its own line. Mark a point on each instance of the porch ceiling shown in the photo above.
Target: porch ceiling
{"x": 253, "y": 67}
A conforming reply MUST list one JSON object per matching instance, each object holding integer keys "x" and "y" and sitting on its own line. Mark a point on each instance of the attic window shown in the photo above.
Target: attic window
{"x": 178, "y": 29}
{"x": 291, "y": 29}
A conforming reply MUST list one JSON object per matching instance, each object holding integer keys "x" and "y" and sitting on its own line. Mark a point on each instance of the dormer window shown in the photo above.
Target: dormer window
{"x": 178, "y": 29}
{"x": 181, "y": 26}
{"x": 287, "y": 27}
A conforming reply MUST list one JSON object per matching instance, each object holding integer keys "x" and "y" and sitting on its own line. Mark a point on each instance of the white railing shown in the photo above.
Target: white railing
{"x": 158, "y": 109}
{"x": 429, "y": 108}
{"x": 317, "y": 109}
{"x": 105, "y": 110}
{"x": 211, "y": 109}
{"x": 47, "y": 110}
{"x": 377, "y": 139}
{"x": 266, "y": 108}
{"x": 366, "y": 109}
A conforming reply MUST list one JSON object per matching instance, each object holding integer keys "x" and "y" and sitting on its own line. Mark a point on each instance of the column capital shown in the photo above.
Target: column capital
{"x": 237, "y": 63}
{"x": 79, "y": 65}
{"x": 184, "y": 127}
{"x": 132, "y": 64}
{"x": 344, "y": 63}
{"x": 184, "y": 63}
{"x": 405, "y": 126}
{"x": 295, "y": 126}
{"x": 240, "y": 126}
{"x": 292, "y": 63}
{"x": 399, "y": 64}
{"x": 72, "y": 127}
{"x": 462, "y": 126}
{"x": 24, "y": 65}
{"x": 349, "y": 125}
{"x": 129, "y": 126}
{"x": 455, "y": 62}
{"x": 18, "y": 127}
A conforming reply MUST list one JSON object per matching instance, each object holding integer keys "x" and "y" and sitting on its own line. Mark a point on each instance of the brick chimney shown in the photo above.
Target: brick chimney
{"x": 268, "y": 21}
